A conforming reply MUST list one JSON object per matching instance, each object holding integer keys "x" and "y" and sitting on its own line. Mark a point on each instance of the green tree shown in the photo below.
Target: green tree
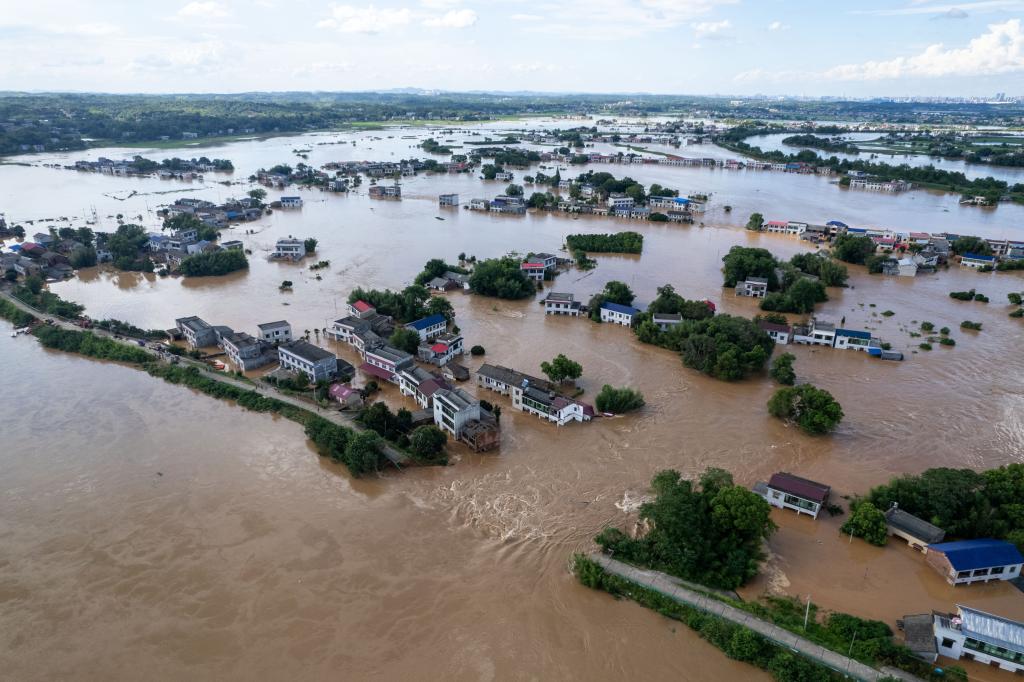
{"x": 502, "y": 278}
{"x": 34, "y": 283}
{"x": 427, "y": 442}
{"x": 866, "y": 521}
{"x": 405, "y": 339}
{"x": 970, "y": 244}
{"x": 743, "y": 262}
{"x": 213, "y": 263}
{"x": 782, "y": 369}
{"x": 259, "y": 194}
{"x": 618, "y": 400}
{"x": 438, "y": 305}
{"x": 853, "y": 249}
{"x": 756, "y": 222}
{"x": 310, "y": 245}
{"x": 363, "y": 452}
{"x": 83, "y": 258}
{"x": 514, "y": 190}
{"x": 561, "y": 368}
{"x": 814, "y": 410}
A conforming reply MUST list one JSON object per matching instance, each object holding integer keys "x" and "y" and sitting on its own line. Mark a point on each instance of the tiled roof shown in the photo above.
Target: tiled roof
{"x": 800, "y": 487}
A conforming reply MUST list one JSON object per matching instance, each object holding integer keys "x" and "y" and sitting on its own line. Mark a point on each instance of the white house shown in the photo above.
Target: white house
{"x": 787, "y": 491}
{"x": 618, "y": 314}
{"x": 275, "y": 332}
{"x": 429, "y": 327}
{"x": 853, "y": 339}
{"x": 561, "y": 304}
{"x": 535, "y": 396}
{"x": 315, "y": 362}
{"x": 815, "y": 333}
{"x": 753, "y": 287}
{"x": 385, "y": 362}
{"x": 291, "y": 202}
{"x": 620, "y": 202}
{"x": 982, "y": 637}
{"x": 781, "y": 334}
{"x": 290, "y": 248}
{"x": 504, "y": 176}
{"x": 665, "y": 321}
{"x": 974, "y": 260}
{"x": 453, "y": 409}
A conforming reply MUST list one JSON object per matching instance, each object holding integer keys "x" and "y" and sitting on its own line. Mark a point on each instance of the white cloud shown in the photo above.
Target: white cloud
{"x": 707, "y": 29}
{"x": 923, "y": 8}
{"x": 349, "y": 19}
{"x": 777, "y": 26}
{"x": 203, "y": 10}
{"x": 440, "y": 4}
{"x": 999, "y": 50}
{"x": 456, "y": 18}
{"x": 621, "y": 19}
{"x": 526, "y": 17}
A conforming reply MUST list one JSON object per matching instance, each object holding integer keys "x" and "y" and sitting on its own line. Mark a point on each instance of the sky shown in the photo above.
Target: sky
{"x": 727, "y": 47}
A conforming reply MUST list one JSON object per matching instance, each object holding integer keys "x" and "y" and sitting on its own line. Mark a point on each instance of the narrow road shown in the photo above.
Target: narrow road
{"x": 668, "y": 586}
{"x": 395, "y": 456}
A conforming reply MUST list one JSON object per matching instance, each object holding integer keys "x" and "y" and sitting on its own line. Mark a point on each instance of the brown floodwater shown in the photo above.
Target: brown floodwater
{"x": 151, "y": 529}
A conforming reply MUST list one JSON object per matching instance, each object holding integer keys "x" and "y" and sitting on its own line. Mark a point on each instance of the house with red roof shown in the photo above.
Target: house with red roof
{"x": 786, "y": 491}
{"x": 441, "y": 349}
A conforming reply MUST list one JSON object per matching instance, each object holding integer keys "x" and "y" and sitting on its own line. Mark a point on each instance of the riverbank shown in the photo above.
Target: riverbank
{"x": 332, "y": 431}
{"x": 734, "y": 631}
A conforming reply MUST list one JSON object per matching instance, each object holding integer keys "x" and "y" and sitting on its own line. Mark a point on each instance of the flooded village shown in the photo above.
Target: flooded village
{"x": 294, "y": 566}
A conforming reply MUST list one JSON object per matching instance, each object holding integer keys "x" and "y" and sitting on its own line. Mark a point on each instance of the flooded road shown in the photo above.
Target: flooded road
{"x": 145, "y": 527}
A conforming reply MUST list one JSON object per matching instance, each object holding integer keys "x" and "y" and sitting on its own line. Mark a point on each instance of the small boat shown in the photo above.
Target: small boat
{"x": 218, "y": 365}
{"x": 607, "y": 414}
{"x": 437, "y": 217}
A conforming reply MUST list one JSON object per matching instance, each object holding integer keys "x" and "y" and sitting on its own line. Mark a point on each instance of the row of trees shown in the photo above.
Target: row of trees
{"x": 213, "y": 263}
{"x": 409, "y": 304}
{"x": 619, "y": 242}
{"x": 502, "y": 278}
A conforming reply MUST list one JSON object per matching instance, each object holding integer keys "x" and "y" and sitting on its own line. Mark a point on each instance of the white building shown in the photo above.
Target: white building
{"x": 666, "y": 321}
{"x": 973, "y": 561}
{"x": 982, "y": 637}
{"x": 620, "y": 202}
{"x": 275, "y": 332}
{"x": 787, "y": 491}
{"x": 815, "y": 333}
{"x": 291, "y": 202}
{"x": 781, "y": 334}
{"x": 561, "y": 304}
{"x": 290, "y": 248}
{"x": 453, "y": 409}
{"x": 753, "y": 287}
{"x": 618, "y": 314}
{"x": 303, "y": 357}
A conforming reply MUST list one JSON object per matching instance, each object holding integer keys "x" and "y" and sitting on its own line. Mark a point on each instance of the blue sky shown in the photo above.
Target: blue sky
{"x": 740, "y": 47}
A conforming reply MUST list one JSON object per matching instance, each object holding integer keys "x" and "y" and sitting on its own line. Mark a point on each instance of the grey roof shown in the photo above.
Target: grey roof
{"x": 240, "y": 340}
{"x": 992, "y": 629}
{"x": 390, "y": 353}
{"x": 560, "y": 297}
{"x": 417, "y": 374}
{"x": 514, "y": 378}
{"x": 196, "y": 324}
{"x": 910, "y": 524}
{"x": 919, "y": 633}
{"x": 307, "y": 351}
{"x": 757, "y": 280}
{"x": 457, "y": 397}
{"x": 668, "y": 317}
{"x": 271, "y": 325}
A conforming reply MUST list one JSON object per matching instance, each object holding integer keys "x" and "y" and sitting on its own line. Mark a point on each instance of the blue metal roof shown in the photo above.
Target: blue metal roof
{"x": 857, "y": 230}
{"x": 420, "y": 325}
{"x": 837, "y": 223}
{"x": 977, "y": 256}
{"x": 853, "y": 333}
{"x": 967, "y": 555}
{"x": 617, "y": 308}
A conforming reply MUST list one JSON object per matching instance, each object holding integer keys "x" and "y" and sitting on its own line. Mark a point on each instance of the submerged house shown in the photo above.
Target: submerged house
{"x": 786, "y": 491}
{"x": 971, "y": 561}
{"x": 917, "y": 532}
{"x": 535, "y": 396}
{"x": 978, "y": 636}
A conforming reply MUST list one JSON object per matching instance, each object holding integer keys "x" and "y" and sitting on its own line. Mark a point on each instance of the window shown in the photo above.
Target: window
{"x": 998, "y": 569}
{"x": 947, "y": 643}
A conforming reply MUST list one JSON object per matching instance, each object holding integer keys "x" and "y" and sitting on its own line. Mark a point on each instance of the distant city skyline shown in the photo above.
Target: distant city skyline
{"x": 913, "y": 48}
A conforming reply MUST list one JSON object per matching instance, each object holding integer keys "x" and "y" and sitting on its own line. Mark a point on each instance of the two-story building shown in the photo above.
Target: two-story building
{"x": 303, "y": 357}
{"x": 620, "y": 202}
{"x": 786, "y": 491}
{"x": 665, "y": 321}
{"x": 618, "y": 314}
{"x": 533, "y": 269}
{"x": 975, "y": 260}
{"x": 752, "y": 287}
{"x": 275, "y": 332}
{"x": 385, "y": 362}
{"x": 419, "y": 384}
{"x": 246, "y": 352}
{"x": 441, "y": 350}
{"x": 854, "y": 339}
{"x": 453, "y": 409}
{"x": 561, "y": 304}
{"x": 291, "y": 202}
{"x": 289, "y": 248}
{"x": 448, "y": 200}
{"x": 535, "y": 396}
{"x": 197, "y": 332}
{"x": 429, "y": 327}
{"x": 815, "y": 333}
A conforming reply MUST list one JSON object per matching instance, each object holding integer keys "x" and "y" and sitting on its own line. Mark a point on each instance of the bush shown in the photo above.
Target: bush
{"x": 477, "y": 351}
{"x": 502, "y": 278}
{"x": 14, "y": 314}
{"x": 782, "y": 369}
{"x": 927, "y": 326}
{"x": 962, "y": 295}
{"x": 427, "y": 443}
{"x": 814, "y": 410}
{"x": 974, "y": 326}
{"x": 866, "y": 521}
{"x": 925, "y": 346}
{"x": 887, "y": 313}
{"x": 947, "y": 341}
{"x": 213, "y": 263}
{"x": 981, "y": 298}
{"x": 618, "y": 400}
{"x": 405, "y": 339}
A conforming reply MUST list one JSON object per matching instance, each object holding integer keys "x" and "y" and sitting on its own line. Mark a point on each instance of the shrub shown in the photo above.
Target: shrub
{"x": 477, "y": 350}
{"x": 974, "y": 326}
{"x": 814, "y": 410}
{"x": 947, "y": 341}
{"x": 618, "y": 400}
{"x": 868, "y": 522}
{"x": 962, "y": 295}
{"x": 927, "y": 326}
{"x": 782, "y": 369}
{"x": 925, "y": 346}
{"x": 213, "y": 263}
{"x": 887, "y": 313}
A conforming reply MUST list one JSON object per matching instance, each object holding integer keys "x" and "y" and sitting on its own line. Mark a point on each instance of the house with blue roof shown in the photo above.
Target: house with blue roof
{"x": 971, "y": 561}
{"x": 618, "y": 314}
{"x": 976, "y": 260}
{"x": 854, "y": 339}
{"x": 429, "y": 327}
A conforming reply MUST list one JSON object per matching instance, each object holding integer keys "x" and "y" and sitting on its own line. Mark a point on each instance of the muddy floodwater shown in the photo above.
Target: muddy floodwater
{"x": 150, "y": 532}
